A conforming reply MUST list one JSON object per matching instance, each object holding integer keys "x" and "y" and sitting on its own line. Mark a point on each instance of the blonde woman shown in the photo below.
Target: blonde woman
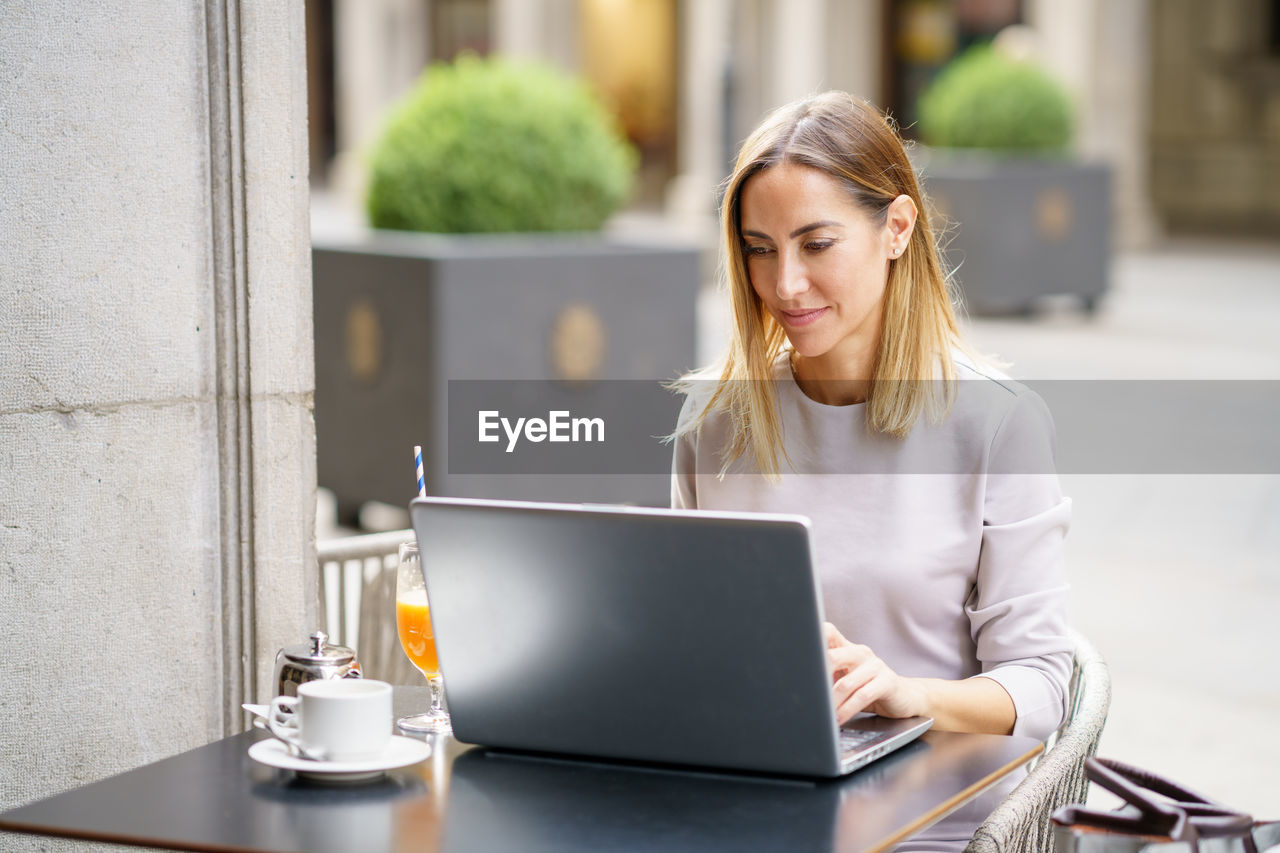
{"x": 938, "y": 523}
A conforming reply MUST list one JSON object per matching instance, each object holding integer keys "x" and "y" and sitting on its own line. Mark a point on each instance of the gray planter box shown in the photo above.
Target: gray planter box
{"x": 1022, "y": 229}
{"x": 399, "y": 315}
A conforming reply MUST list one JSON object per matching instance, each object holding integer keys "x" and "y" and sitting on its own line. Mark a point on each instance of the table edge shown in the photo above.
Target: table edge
{"x": 954, "y": 802}
{"x": 141, "y": 841}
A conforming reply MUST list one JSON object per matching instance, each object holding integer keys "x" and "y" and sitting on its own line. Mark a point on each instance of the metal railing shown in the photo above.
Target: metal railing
{"x": 358, "y": 599}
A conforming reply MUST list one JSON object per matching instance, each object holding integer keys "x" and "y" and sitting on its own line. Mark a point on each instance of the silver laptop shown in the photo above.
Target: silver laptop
{"x": 635, "y": 634}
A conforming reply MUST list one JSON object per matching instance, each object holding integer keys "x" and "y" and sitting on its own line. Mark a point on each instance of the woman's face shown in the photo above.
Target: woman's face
{"x": 818, "y": 262}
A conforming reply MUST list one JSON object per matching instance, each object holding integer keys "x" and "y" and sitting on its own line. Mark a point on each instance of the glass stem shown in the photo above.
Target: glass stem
{"x": 434, "y": 684}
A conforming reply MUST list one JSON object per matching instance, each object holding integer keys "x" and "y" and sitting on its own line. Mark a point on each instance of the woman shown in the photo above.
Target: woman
{"x": 938, "y": 523}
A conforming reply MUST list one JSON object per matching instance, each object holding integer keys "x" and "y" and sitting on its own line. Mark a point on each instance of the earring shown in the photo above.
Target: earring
{"x": 897, "y": 250}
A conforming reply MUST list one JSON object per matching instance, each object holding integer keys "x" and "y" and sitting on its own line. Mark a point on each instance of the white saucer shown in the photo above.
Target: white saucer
{"x": 400, "y": 752}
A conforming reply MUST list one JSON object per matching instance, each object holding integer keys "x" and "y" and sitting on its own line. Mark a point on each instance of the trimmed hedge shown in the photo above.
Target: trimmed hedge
{"x": 490, "y": 146}
{"x": 983, "y": 99}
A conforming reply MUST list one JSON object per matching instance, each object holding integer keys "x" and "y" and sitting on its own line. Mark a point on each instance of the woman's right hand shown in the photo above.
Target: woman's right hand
{"x": 861, "y": 681}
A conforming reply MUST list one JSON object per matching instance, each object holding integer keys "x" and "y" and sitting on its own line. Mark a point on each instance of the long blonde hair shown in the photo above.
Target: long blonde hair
{"x": 853, "y": 142}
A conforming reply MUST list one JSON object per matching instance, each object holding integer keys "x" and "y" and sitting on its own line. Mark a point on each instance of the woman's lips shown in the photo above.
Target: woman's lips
{"x": 804, "y": 317}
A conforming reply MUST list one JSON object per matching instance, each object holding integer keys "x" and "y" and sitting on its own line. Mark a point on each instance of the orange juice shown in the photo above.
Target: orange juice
{"x": 413, "y": 622}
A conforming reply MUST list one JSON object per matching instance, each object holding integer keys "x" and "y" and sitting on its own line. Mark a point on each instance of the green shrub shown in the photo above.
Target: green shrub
{"x": 487, "y": 145}
{"x": 983, "y": 99}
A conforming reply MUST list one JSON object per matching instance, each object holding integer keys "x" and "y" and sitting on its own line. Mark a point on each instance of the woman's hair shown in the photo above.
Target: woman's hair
{"x": 854, "y": 143}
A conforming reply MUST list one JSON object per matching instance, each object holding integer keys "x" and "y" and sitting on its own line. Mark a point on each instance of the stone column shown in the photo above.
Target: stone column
{"x": 380, "y": 47}
{"x": 799, "y": 54}
{"x": 1121, "y": 126}
{"x": 542, "y": 30}
{"x": 704, "y": 31}
{"x": 156, "y": 372}
{"x": 1101, "y": 52}
{"x": 855, "y": 47}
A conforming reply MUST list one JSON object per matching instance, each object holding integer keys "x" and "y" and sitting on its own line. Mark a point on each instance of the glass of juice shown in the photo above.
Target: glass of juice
{"x": 413, "y": 624}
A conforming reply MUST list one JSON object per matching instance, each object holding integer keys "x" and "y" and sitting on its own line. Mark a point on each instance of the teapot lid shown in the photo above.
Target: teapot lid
{"x": 318, "y": 651}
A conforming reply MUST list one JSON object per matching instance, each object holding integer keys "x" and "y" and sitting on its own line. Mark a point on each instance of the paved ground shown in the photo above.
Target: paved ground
{"x": 1176, "y": 579}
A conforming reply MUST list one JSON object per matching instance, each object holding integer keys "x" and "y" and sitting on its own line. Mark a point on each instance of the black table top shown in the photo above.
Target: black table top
{"x": 465, "y": 798}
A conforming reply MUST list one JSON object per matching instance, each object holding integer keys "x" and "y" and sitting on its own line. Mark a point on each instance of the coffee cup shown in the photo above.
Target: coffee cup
{"x": 335, "y": 720}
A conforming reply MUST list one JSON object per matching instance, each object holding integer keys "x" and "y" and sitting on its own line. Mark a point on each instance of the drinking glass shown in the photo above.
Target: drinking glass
{"x": 413, "y": 624}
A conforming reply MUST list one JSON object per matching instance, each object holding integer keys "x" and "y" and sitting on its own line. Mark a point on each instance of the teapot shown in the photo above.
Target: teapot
{"x": 313, "y": 661}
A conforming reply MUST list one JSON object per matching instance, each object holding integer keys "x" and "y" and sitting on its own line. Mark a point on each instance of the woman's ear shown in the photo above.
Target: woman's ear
{"x": 900, "y": 221}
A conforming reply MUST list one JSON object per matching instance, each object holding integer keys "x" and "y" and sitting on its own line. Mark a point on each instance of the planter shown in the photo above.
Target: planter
{"x": 399, "y": 315}
{"x": 1021, "y": 230}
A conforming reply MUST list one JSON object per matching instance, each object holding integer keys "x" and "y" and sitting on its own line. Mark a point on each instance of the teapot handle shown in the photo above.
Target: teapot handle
{"x": 282, "y": 719}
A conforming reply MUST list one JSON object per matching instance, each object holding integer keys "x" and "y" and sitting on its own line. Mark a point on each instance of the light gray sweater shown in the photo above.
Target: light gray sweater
{"x": 942, "y": 552}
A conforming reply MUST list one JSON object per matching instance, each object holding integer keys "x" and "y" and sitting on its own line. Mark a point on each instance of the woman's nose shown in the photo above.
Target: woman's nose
{"x": 793, "y": 279}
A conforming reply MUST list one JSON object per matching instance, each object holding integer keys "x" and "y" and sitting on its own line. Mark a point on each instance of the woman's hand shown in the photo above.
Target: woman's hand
{"x": 863, "y": 682}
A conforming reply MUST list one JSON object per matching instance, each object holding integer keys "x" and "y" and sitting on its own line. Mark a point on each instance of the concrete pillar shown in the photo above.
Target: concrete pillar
{"x": 157, "y": 451}
{"x": 799, "y": 54}
{"x": 704, "y": 31}
{"x": 542, "y": 30}
{"x": 1101, "y": 52}
{"x": 517, "y": 28}
{"x": 1121, "y": 126}
{"x": 854, "y": 48}
{"x": 380, "y": 49}
{"x": 1066, "y": 46}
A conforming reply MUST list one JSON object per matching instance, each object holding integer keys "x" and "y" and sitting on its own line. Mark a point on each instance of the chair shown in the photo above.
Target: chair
{"x": 360, "y": 572}
{"x": 1021, "y": 821}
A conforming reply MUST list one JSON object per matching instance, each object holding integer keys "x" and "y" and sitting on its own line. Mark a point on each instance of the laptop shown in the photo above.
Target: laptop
{"x": 678, "y": 637}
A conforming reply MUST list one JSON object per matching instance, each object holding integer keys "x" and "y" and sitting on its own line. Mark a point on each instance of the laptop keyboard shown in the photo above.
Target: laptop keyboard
{"x": 852, "y": 740}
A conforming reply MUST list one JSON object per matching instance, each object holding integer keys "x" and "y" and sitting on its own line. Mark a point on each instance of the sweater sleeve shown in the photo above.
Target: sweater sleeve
{"x": 684, "y": 488}
{"x": 1017, "y": 608}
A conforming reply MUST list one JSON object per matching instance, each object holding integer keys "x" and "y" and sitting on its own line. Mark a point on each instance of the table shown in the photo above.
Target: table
{"x": 466, "y": 798}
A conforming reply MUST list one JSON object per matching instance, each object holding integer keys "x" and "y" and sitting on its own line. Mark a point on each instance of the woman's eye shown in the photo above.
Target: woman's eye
{"x": 755, "y": 251}
{"x": 819, "y": 245}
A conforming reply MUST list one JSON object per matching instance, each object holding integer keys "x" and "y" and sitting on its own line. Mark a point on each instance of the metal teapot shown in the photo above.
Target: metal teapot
{"x": 313, "y": 661}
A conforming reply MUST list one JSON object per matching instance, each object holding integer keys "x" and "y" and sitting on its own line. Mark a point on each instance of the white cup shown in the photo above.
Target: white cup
{"x": 339, "y": 719}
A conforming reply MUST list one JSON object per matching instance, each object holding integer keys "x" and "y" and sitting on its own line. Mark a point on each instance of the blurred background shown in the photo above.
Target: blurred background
{"x": 1179, "y": 97}
{"x": 1176, "y": 578}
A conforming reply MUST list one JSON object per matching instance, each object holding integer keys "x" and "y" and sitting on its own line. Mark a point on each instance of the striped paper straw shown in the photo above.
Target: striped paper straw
{"x": 422, "y": 482}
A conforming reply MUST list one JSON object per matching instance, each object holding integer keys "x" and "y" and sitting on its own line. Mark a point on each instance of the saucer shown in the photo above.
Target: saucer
{"x": 400, "y": 752}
